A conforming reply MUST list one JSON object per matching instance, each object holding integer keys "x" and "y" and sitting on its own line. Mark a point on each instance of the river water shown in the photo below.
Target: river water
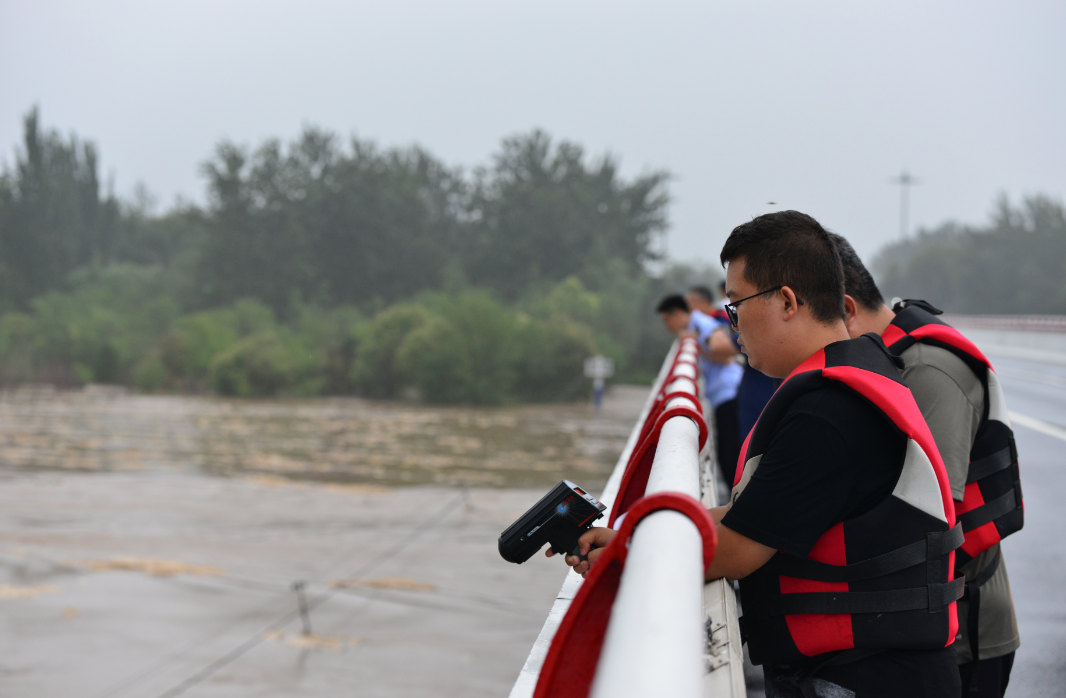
{"x": 334, "y": 440}
{"x": 149, "y": 544}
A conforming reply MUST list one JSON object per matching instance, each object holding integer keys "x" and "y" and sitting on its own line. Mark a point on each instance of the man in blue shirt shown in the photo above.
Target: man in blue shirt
{"x": 721, "y": 380}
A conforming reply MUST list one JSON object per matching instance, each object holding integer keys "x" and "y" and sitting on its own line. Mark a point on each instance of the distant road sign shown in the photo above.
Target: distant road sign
{"x": 599, "y": 367}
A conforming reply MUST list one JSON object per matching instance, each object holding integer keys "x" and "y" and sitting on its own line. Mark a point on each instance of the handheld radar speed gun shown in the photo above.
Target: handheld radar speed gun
{"x": 559, "y": 518}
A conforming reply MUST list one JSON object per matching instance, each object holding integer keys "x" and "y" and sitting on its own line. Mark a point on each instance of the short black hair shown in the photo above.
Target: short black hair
{"x": 858, "y": 282}
{"x": 703, "y": 292}
{"x": 671, "y": 303}
{"x": 789, "y": 248}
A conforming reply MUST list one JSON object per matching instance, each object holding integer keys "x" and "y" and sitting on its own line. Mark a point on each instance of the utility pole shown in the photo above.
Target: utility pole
{"x": 904, "y": 181}
{"x": 305, "y": 611}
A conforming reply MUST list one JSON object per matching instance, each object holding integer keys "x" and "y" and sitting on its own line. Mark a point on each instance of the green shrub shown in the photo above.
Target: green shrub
{"x": 262, "y": 364}
{"x": 150, "y": 374}
{"x": 551, "y": 357}
{"x": 187, "y": 351}
{"x": 189, "y": 348}
{"x": 17, "y": 333}
{"x": 489, "y": 334}
{"x": 333, "y": 334}
{"x": 95, "y": 334}
{"x": 374, "y": 371}
{"x": 570, "y": 298}
{"x": 465, "y": 354}
{"x": 435, "y": 358}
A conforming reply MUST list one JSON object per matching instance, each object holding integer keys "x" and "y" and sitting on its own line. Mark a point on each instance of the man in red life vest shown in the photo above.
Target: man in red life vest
{"x": 950, "y": 382}
{"x": 841, "y": 527}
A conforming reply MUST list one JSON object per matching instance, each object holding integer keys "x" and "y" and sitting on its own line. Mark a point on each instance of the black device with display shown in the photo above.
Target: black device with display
{"x": 559, "y": 518}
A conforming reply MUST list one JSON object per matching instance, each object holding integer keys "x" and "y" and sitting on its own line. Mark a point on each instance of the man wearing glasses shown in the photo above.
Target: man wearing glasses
{"x": 840, "y": 527}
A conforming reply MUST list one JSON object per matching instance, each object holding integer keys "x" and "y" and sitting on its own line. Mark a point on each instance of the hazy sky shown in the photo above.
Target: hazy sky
{"x": 812, "y": 105}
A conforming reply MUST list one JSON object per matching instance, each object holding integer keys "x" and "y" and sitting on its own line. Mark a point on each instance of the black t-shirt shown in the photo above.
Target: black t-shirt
{"x": 833, "y": 455}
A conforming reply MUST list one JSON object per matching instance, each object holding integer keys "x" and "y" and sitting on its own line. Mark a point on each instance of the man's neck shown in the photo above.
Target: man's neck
{"x": 882, "y": 319}
{"x": 814, "y": 338}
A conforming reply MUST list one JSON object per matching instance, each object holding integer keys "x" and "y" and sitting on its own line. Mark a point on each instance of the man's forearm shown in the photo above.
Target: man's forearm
{"x": 737, "y": 556}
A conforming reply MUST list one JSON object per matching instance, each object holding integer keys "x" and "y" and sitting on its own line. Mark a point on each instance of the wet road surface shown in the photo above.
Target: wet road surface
{"x": 1036, "y": 556}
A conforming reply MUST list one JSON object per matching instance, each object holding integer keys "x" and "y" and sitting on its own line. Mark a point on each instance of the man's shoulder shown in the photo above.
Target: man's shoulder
{"x": 702, "y": 319}
{"x": 829, "y": 398}
{"x": 842, "y": 408}
{"x": 941, "y": 367}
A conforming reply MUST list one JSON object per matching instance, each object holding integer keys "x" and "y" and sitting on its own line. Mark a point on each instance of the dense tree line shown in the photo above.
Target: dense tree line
{"x": 332, "y": 266}
{"x": 1016, "y": 263}
{"x": 53, "y": 218}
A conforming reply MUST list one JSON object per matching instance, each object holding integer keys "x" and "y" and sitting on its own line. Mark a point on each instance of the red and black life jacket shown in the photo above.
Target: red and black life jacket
{"x": 880, "y": 580}
{"x": 991, "y": 507}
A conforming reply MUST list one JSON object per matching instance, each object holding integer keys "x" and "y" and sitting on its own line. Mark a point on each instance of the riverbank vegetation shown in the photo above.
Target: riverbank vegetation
{"x": 331, "y": 267}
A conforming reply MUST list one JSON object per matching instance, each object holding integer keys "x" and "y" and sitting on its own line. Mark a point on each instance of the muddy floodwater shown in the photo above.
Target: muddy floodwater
{"x": 149, "y": 545}
{"x": 338, "y": 440}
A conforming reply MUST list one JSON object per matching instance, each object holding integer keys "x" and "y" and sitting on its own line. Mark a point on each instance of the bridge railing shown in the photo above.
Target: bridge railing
{"x": 669, "y": 632}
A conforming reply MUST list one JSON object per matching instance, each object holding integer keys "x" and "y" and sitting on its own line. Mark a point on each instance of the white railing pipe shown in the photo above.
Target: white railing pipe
{"x": 683, "y": 385}
{"x": 527, "y": 679}
{"x": 655, "y": 638}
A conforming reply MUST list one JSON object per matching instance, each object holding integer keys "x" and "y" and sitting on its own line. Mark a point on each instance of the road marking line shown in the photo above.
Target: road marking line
{"x": 1024, "y": 353}
{"x": 1032, "y": 376}
{"x": 1039, "y": 425}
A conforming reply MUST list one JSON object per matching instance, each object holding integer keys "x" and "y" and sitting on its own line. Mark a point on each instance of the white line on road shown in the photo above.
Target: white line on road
{"x": 1024, "y": 353}
{"x": 1032, "y": 376}
{"x": 1039, "y": 425}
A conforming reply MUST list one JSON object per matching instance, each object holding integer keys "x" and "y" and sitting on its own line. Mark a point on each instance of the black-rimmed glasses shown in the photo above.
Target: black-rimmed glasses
{"x": 731, "y": 308}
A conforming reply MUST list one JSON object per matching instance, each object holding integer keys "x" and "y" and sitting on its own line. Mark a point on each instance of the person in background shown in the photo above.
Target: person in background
{"x": 682, "y": 321}
{"x": 951, "y": 391}
{"x": 722, "y": 380}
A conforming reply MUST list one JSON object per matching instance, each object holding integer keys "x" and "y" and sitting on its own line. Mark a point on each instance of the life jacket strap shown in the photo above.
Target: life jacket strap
{"x": 989, "y": 465}
{"x": 934, "y": 597}
{"x": 932, "y": 548}
{"x": 989, "y": 511}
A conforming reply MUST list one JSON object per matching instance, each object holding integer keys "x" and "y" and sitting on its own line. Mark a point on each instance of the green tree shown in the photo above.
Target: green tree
{"x": 316, "y": 223}
{"x": 541, "y": 213}
{"x": 52, "y": 217}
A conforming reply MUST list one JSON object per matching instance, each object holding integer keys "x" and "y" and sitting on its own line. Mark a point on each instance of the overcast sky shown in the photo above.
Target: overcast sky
{"x": 811, "y": 105}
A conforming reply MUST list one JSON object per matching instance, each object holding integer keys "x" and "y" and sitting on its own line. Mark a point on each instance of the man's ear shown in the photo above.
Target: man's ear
{"x": 791, "y": 303}
{"x": 851, "y": 309}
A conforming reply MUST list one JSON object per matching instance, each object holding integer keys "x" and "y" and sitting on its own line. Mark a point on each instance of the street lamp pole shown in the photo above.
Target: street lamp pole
{"x": 905, "y": 180}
